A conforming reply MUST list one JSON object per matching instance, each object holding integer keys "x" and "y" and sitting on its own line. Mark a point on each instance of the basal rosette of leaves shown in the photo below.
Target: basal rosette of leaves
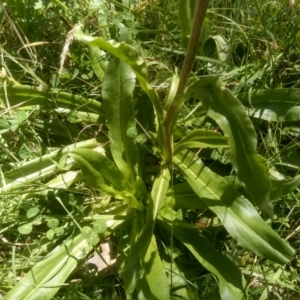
{"x": 151, "y": 176}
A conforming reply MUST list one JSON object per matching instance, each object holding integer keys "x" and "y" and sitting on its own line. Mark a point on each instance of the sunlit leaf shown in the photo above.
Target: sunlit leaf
{"x": 135, "y": 266}
{"x": 100, "y": 226}
{"x": 25, "y": 228}
{"x": 277, "y": 105}
{"x": 229, "y": 113}
{"x": 154, "y": 284}
{"x": 32, "y": 212}
{"x": 236, "y": 213}
{"x": 52, "y": 223}
{"x": 25, "y": 95}
{"x": 101, "y": 173}
{"x": 199, "y": 138}
{"x": 45, "y": 278}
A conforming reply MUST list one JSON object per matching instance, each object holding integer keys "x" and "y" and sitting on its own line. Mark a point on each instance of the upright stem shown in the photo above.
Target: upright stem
{"x": 172, "y": 113}
{"x": 198, "y": 20}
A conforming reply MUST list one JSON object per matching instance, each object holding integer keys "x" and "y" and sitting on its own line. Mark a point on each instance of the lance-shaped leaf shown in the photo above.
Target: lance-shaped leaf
{"x": 117, "y": 90}
{"x": 129, "y": 55}
{"x": 280, "y": 186}
{"x": 38, "y": 168}
{"x": 200, "y": 138}
{"x": 154, "y": 284}
{"x": 98, "y": 61}
{"x": 280, "y": 105}
{"x": 283, "y": 187}
{"x": 45, "y": 279}
{"x": 185, "y": 18}
{"x": 25, "y": 95}
{"x": 102, "y": 174}
{"x": 229, "y": 113}
{"x": 181, "y": 195}
{"x": 231, "y": 283}
{"x": 134, "y": 269}
{"x": 236, "y": 213}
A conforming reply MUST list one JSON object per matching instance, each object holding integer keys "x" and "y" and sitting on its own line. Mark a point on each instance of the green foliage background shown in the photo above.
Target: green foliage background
{"x": 86, "y": 164}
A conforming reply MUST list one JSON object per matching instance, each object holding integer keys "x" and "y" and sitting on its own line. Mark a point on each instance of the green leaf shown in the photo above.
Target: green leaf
{"x": 134, "y": 269}
{"x": 100, "y": 226}
{"x": 98, "y": 61}
{"x": 231, "y": 284}
{"x": 101, "y": 173}
{"x": 216, "y": 47}
{"x": 128, "y": 54}
{"x": 200, "y": 138}
{"x": 236, "y": 213}
{"x": 229, "y": 113}
{"x": 283, "y": 186}
{"x": 42, "y": 166}
{"x": 25, "y": 228}
{"x": 52, "y": 223}
{"x": 154, "y": 284}
{"x": 90, "y": 235}
{"x": 25, "y": 95}
{"x": 59, "y": 231}
{"x": 32, "y": 212}
{"x": 183, "y": 196}
{"x": 117, "y": 90}
{"x": 185, "y": 19}
{"x": 50, "y": 234}
{"x": 278, "y": 105}
{"x": 141, "y": 138}
{"x": 45, "y": 279}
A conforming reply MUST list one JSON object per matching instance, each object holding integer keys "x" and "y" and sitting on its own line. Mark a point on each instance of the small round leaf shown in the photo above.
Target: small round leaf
{"x": 25, "y": 228}
{"x": 100, "y": 226}
{"x": 59, "y": 231}
{"x": 32, "y": 212}
{"x": 52, "y": 223}
{"x": 50, "y": 234}
{"x": 141, "y": 138}
{"x": 90, "y": 235}
{"x": 132, "y": 132}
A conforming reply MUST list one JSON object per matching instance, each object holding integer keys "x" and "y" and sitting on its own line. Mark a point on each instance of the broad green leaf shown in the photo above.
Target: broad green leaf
{"x": 279, "y": 105}
{"x": 229, "y": 113}
{"x": 236, "y": 213}
{"x": 129, "y": 55}
{"x": 134, "y": 269}
{"x": 45, "y": 279}
{"x": 25, "y": 95}
{"x": 183, "y": 196}
{"x": 100, "y": 173}
{"x": 117, "y": 90}
{"x": 200, "y": 138}
{"x": 64, "y": 133}
{"x": 104, "y": 166}
{"x": 231, "y": 283}
{"x": 154, "y": 284}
